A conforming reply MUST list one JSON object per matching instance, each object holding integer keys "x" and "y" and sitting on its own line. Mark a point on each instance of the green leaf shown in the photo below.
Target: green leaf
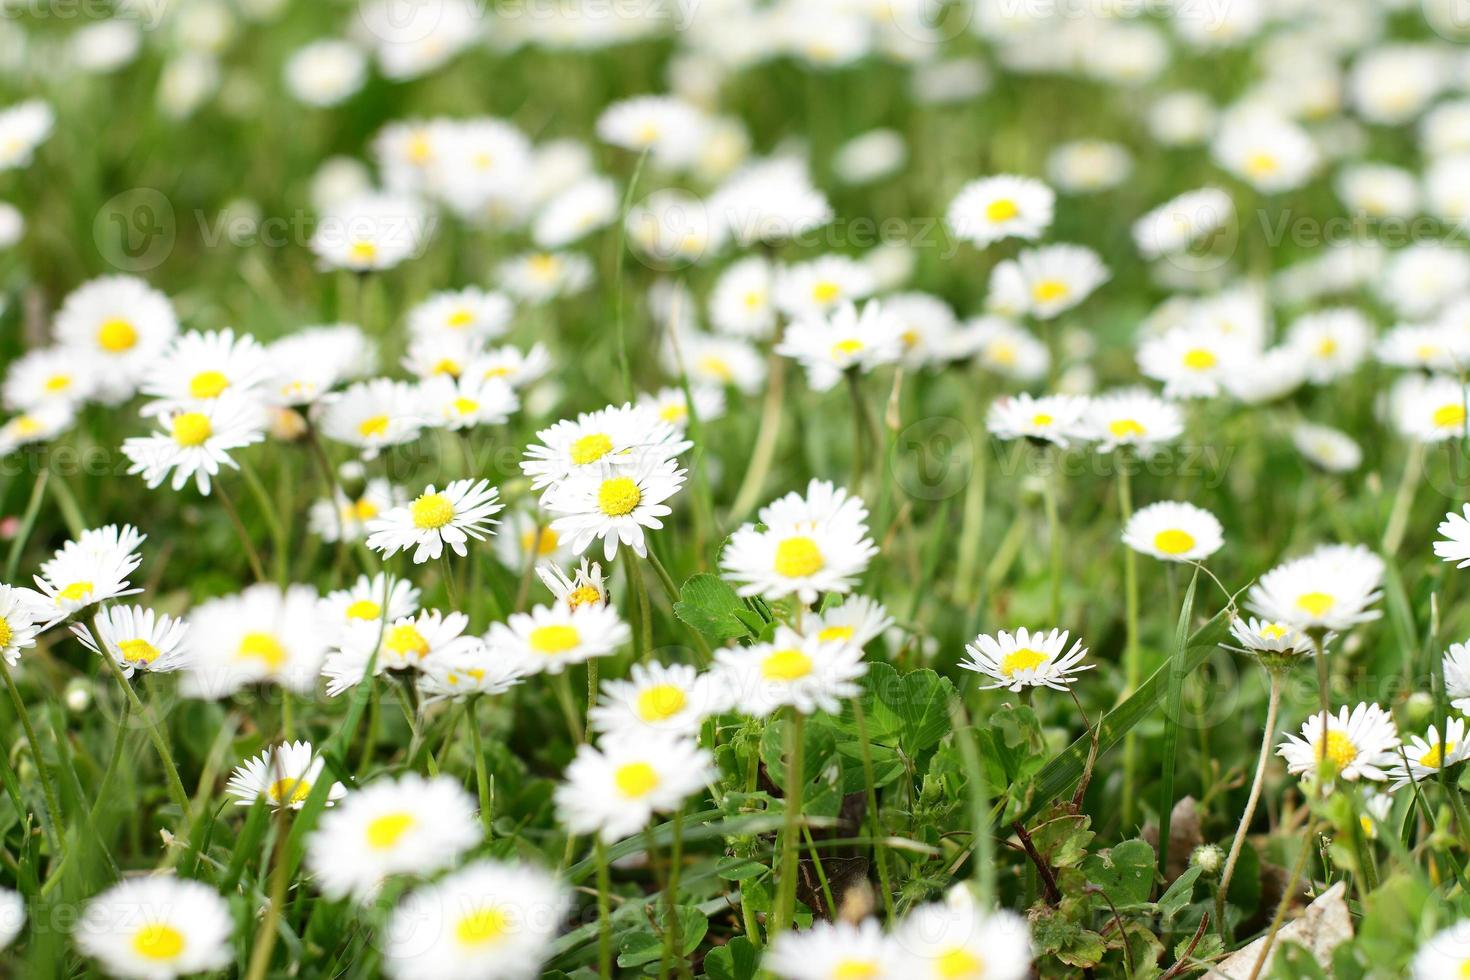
{"x": 736, "y": 960}
{"x": 1124, "y": 872}
{"x": 710, "y": 605}
{"x": 1177, "y": 672}
{"x": 1178, "y": 895}
{"x": 906, "y": 711}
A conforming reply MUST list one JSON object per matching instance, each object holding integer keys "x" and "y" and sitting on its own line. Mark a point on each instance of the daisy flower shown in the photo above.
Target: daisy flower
{"x": 1428, "y": 754}
{"x": 740, "y": 302}
{"x": 440, "y": 354}
{"x": 810, "y": 544}
{"x": 347, "y": 517}
{"x": 372, "y": 232}
{"x": 1088, "y": 166}
{"x": 487, "y": 921}
{"x": 670, "y": 130}
{"x": 836, "y": 949}
{"x": 857, "y": 621}
{"x": 202, "y": 367}
{"x": 325, "y": 73}
{"x": 848, "y": 340}
{"x": 615, "y": 502}
{"x": 49, "y": 376}
{"x": 1434, "y": 410}
{"x": 527, "y": 539}
{"x": 1327, "y": 448}
{"x": 1174, "y": 531}
{"x": 308, "y": 364}
{"x": 23, "y": 127}
{"x": 469, "y": 670}
{"x": 1331, "y": 343}
{"x": 373, "y": 415}
{"x": 196, "y": 441}
{"x": 379, "y": 599}
{"x": 551, "y": 638}
{"x": 1176, "y": 225}
{"x": 40, "y": 424}
{"x": 1192, "y": 360}
{"x": 516, "y": 368}
{"x": 157, "y": 928}
{"x": 120, "y": 324}
{"x": 957, "y": 941}
{"x": 92, "y": 569}
{"x": 282, "y": 776}
{"x": 1132, "y": 417}
{"x": 12, "y": 916}
{"x": 1428, "y": 347}
{"x": 584, "y": 587}
{"x": 770, "y": 201}
{"x": 803, "y": 672}
{"x": 538, "y": 277}
{"x": 671, "y": 228}
{"x": 1330, "y": 589}
{"x": 1269, "y": 152}
{"x": 474, "y": 312}
{"x": 1456, "y": 665}
{"x": 1276, "y": 644}
{"x": 406, "y": 643}
{"x": 1058, "y": 277}
{"x": 452, "y": 516}
{"x": 17, "y": 622}
{"x": 1056, "y": 419}
{"x": 1455, "y": 529}
{"x": 1006, "y": 349}
{"x": 610, "y": 435}
{"x": 410, "y": 825}
{"x": 613, "y": 790}
{"x": 137, "y": 638}
{"x": 670, "y": 405}
{"x": 930, "y": 331}
{"x": 1358, "y": 745}
{"x": 586, "y": 206}
{"x": 716, "y": 362}
{"x": 811, "y": 290}
{"x": 1026, "y": 659}
{"x": 261, "y": 635}
{"x": 993, "y": 208}
{"x": 672, "y": 699}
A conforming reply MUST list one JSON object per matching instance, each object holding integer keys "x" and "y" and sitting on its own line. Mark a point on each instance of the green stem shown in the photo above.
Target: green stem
{"x": 622, "y": 252}
{"x": 672, "y": 943}
{"x": 482, "y": 782}
{"x": 562, "y": 685}
{"x": 1054, "y": 533}
{"x": 1132, "y": 653}
{"x": 1403, "y": 500}
{"x": 604, "y": 910}
{"x": 1268, "y": 738}
{"x": 764, "y": 450}
{"x": 48, "y": 788}
{"x": 251, "y": 555}
{"x": 791, "y": 835}
{"x": 880, "y": 853}
{"x": 27, "y": 523}
{"x": 112, "y": 760}
{"x": 155, "y": 735}
{"x": 273, "y": 523}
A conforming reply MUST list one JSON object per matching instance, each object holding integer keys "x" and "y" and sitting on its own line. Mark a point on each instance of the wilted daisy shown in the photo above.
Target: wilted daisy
{"x": 1331, "y": 589}
{"x": 1326, "y": 447}
{"x": 17, "y": 622}
{"x": 584, "y": 587}
{"x": 548, "y": 639}
{"x": 348, "y": 518}
{"x": 959, "y": 941}
{"x": 1358, "y": 745}
{"x": 469, "y": 670}
{"x": 1174, "y": 531}
{"x": 374, "y": 415}
{"x": 461, "y": 511}
{"x": 1427, "y": 754}
{"x": 620, "y": 435}
{"x": 836, "y": 949}
{"x": 202, "y": 367}
{"x": 409, "y": 825}
{"x": 261, "y": 635}
{"x": 137, "y": 638}
{"x": 1182, "y": 222}
{"x": 1006, "y": 206}
{"x": 858, "y": 621}
{"x": 372, "y": 232}
{"x": 407, "y": 643}
{"x": 487, "y": 921}
{"x": 1058, "y": 277}
{"x": 812, "y": 543}
{"x": 802, "y": 672}
{"x": 282, "y": 776}
{"x": 196, "y": 441}
{"x": 615, "y": 502}
{"x": 119, "y": 323}
{"x": 157, "y": 928}
{"x": 1132, "y": 417}
{"x": 614, "y": 789}
{"x": 379, "y": 599}
{"x": 848, "y": 340}
{"x": 1026, "y": 659}
{"x": 666, "y": 698}
{"x": 1056, "y": 419}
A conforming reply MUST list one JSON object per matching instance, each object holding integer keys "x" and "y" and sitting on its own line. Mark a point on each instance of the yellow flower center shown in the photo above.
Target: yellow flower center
{"x": 1124, "y": 428}
{"x": 364, "y": 609}
{"x": 75, "y": 592}
{"x": 673, "y": 414}
{"x": 1048, "y": 290}
{"x": 447, "y": 365}
{"x": 116, "y": 335}
{"x": 1434, "y": 758}
{"x": 384, "y": 832}
{"x": 192, "y": 428}
{"x": 138, "y": 651}
{"x": 289, "y": 790}
{"x": 1273, "y": 631}
{"x": 1450, "y": 416}
{"x": 584, "y": 595}
{"x": 1022, "y": 659}
{"x": 554, "y": 639}
{"x": 419, "y": 149}
{"x": 1315, "y": 603}
{"x": 661, "y": 702}
{"x": 25, "y": 425}
{"x": 618, "y": 496}
{"x": 1465, "y": 969}
{"x": 58, "y": 382}
{"x": 832, "y": 633}
{"x": 158, "y": 942}
{"x": 208, "y": 384}
{"x": 856, "y": 970}
{"x": 1041, "y": 420}
{"x": 786, "y": 665}
{"x": 431, "y": 511}
{"x": 847, "y": 348}
{"x": 716, "y": 367}
{"x": 405, "y": 639}
{"x": 825, "y": 292}
{"x": 754, "y": 299}
{"x": 590, "y": 448}
{"x": 1001, "y": 209}
{"x": 544, "y": 267}
{"x": 959, "y": 964}
{"x": 373, "y": 426}
{"x": 1340, "y": 750}
{"x": 364, "y": 251}
{"x": 1261, "y": 164}
{"x": 1199, "y": 359}
{"x": 543, "y": 544}
{"x": 364, "y": 510}
{"x": 798, "y": 557}
{"x": 1173, "y": 541}
{"x": 636, "y": 779}
{"x": 6, "y": 633}
{"x": 263, "y": 647}
{"x": 466, "y": 406}
{"x": 461, "y": 318}
{"x": 481, "y": 927}
{"x": 1327, "y": 347}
